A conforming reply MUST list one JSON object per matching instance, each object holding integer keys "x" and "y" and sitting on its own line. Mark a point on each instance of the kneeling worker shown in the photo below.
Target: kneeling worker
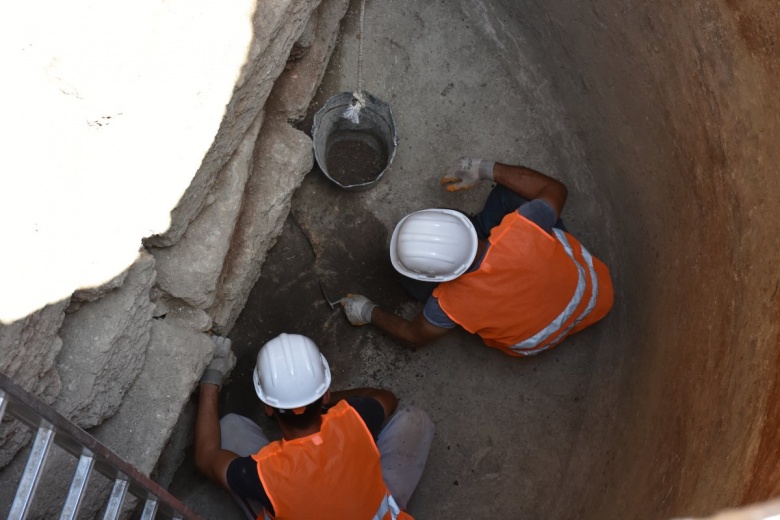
{"x": 511, "y": 274}
{"x": 360, "y": 459}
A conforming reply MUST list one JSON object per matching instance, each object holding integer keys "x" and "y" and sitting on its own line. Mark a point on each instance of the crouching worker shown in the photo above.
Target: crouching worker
{"x": 511, "y": 274}
{"x": 348, "y": 454}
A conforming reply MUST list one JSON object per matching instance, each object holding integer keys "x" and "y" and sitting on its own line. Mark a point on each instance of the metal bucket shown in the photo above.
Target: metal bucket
{"x": 354, "y": 156}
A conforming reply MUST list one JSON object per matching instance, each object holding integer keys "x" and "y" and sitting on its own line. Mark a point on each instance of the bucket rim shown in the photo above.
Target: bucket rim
{"x": 342, "y": 100}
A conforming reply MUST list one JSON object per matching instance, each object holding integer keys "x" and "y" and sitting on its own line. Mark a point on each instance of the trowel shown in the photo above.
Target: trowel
{"x": 332, "y": 304}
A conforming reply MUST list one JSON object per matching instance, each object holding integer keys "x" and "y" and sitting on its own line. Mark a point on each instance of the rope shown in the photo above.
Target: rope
{"x": 360, "y": 46}
{"x": 358, "y": 101}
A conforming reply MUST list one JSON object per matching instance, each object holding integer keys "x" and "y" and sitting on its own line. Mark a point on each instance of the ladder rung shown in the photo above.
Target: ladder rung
{"x": 53, "y": 428}
{"x": 78, "y": 486}
{"x": 115, "y": 502}
{"x": 150, "y": 509}
{"x": 32, "y": 472}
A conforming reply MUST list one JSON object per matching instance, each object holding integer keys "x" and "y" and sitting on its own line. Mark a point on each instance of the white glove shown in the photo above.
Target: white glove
{"x": 467, "y": 172}
{"x": 221, "y": 364}
{"x": 221, "y": 346}
{"x": 357, "y": 308}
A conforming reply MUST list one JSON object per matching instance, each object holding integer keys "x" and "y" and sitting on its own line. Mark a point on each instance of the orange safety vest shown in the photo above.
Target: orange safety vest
{"x": 332, "y": 474}
{"x": 531, "y": 291}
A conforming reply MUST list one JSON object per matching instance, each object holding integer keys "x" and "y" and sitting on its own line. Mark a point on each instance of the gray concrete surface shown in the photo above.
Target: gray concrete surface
{"x": 505, "y": 426}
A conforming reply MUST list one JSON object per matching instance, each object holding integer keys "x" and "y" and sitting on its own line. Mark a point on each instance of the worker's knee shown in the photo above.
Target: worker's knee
{"x": 413, "y": 421}
{"x": 234, "y": 422}
{"x": 241, "y": 435}
{"x": 420, "y": 418}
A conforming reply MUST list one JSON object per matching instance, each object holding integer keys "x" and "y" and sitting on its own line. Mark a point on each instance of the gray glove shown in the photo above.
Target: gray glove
{"x": 357, "y": 308}
{"x": 221, "y": 364}
{"x": 467, "y": 172}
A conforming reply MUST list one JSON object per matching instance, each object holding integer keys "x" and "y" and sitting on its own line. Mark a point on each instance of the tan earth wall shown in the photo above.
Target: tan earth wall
{"x": 677, "y": 105}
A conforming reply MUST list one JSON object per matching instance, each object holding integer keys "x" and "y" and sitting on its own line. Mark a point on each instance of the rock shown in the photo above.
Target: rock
{"x": 93, "y": 293}
{"x": 118, "y": 367}
{"x": 282, "y": 158}
{"x": 175, "y": 361}
{"x": 189, "y": 269}
{"x": 277, "y": 171}
{"x": 104, "y": 346}
{"x": 140, "y": 429}
{"x": 296, "y": 86}
{"x": 277, "y": 26}
{"x": 188, "y": 318}
{"x": 28, "y": 349}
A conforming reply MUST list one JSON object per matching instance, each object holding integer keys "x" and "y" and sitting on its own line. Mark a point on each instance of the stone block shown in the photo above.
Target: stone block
{"x": 104, "y": 346}
{"x": 174, "y": 363}
{"x": 297, "y": 85}
{"x": 185, "y": 317}
{"x": 309, "y": 31}
{"x": 282, "y": 158}
{"x": 28, "y": 349}
{"x": 188, "y": 270}
{"x": 91, "y": 294}
{"x": 277, "y": 26}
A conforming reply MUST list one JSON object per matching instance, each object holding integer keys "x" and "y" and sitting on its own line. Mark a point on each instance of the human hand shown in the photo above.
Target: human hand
{"x": 222, "y": 363}
{"x": 357, "y": 308}
{"x": 466, "y": 173}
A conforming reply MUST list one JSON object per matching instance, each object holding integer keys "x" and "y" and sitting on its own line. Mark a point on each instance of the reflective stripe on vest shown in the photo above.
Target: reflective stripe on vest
{"x": 388, "y": 505}
{"x": 532, "y": 345}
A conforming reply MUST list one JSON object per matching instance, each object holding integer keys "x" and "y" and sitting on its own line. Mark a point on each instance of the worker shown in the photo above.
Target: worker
{"x": 511, "y": 274}
{"x": 347, "y": 454}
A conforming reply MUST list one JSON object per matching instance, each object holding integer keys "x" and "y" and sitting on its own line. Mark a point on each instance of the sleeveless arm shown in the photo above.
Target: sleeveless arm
{"x": 210, "y": 459}
{"x": 415, "y": 333}
{"x": 532, "y": 184}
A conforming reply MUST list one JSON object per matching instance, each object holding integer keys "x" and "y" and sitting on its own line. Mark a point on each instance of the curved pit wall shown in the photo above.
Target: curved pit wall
{"x": 677, "y": 107}
{"x": 676, "y": 110}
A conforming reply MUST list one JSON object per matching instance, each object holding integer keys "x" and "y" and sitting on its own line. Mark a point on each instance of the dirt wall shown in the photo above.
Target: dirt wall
{"x": 678, "y": 109}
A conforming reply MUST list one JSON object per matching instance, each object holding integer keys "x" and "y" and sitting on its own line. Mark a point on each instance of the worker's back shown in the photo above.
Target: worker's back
{"x": 335, "y": 473}
{"x": 531, "y": 290}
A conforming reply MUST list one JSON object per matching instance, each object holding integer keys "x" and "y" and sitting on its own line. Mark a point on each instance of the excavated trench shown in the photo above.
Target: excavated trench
{"x": 661, "y": 119}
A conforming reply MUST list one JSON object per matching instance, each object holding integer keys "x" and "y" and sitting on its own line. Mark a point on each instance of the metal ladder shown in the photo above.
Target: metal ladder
{"x": 53, "y": 428}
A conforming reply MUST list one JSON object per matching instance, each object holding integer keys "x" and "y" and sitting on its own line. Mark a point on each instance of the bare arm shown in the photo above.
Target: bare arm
{"x": 386, "y": 398}
{"x": 210, "y": 458}
{"x": 416, "y": 333}
{"x": 531, "y": 184}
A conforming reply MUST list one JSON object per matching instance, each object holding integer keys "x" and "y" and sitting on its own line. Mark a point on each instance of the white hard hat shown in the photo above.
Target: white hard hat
{"x": 433, "y": 245}
{"x": 290, "y": 372}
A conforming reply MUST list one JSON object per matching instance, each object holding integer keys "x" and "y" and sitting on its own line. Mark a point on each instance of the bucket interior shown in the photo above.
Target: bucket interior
{"x": 354, "y": 155}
